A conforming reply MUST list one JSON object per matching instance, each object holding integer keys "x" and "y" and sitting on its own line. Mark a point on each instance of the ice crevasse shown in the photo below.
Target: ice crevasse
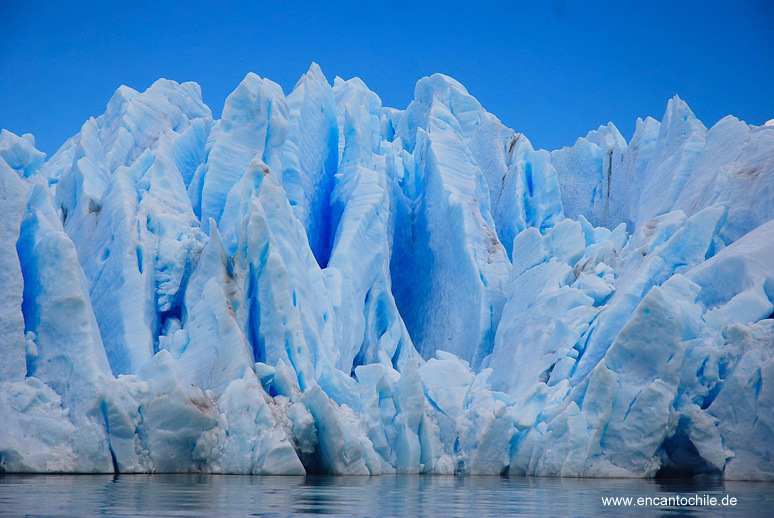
{"x": 316, "y": 283}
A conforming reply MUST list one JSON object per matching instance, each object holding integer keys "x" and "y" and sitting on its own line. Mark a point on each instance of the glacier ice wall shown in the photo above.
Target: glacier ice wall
{"x": 319, "y": 283}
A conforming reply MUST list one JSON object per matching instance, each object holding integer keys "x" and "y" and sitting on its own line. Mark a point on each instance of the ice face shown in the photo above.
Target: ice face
{"x": 254, "y": 123}
{"x": 319, "y": 283}
{"x": 13, "y": 202}
{"x": 454, "y": 253}
{"x": 585, "y": 171}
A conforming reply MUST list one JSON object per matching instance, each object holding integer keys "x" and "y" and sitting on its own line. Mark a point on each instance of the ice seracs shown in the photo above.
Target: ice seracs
{"x": 319, "y": 283}
{"x": 454, "y": 253}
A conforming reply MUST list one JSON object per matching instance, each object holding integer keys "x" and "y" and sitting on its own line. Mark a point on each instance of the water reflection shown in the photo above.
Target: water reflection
{"x": 229, "y": 495}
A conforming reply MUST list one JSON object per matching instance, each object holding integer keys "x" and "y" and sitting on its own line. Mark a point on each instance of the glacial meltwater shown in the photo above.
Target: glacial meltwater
{"x": 401, "y": 495}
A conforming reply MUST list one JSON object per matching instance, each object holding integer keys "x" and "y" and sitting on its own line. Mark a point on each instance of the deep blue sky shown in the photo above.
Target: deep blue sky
{"x": 553, "y": 70}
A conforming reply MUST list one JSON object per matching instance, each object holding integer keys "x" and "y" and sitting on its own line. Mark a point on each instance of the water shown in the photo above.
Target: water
{"x": 402, "y": 495}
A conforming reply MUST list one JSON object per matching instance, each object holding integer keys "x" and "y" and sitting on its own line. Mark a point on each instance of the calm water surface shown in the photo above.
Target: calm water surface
{"x": 401, "y": 495}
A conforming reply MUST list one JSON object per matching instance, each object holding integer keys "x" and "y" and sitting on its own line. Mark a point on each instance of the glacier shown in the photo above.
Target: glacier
{"x": 317, "y": 283}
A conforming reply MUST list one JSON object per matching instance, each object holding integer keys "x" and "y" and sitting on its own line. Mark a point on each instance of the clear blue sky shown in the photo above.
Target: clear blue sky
{"x": 552, "y": 70}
